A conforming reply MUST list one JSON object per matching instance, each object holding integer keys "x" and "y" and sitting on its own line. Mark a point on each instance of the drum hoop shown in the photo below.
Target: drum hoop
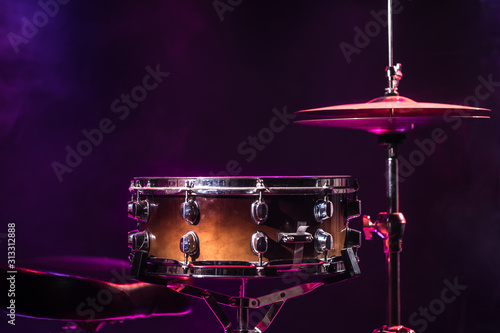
{"x": 302, "y": 185}
{"x": 233, "y": 269}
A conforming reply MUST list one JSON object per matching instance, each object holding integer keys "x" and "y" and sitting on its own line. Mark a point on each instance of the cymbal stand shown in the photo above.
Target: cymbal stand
{"x": 390, "y": 226}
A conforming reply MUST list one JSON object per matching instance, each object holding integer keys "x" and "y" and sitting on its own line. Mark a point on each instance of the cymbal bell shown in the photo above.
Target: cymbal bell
{"x": 387, "y": 114}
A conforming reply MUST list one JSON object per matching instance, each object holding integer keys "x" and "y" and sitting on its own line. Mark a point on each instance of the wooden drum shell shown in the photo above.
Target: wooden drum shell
{"x": 225, "y": 227}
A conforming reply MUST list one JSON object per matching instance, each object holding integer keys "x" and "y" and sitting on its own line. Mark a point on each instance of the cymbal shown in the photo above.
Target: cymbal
{"x": 387, "y": 114}
{"x": 59, "y": 296}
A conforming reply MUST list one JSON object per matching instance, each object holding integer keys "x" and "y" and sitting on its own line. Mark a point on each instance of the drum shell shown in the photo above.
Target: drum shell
{"x": 225, "y": 227}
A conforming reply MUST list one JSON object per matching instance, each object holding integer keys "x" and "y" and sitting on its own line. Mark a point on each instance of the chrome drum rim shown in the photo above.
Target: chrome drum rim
{"x": 242, "y": 185}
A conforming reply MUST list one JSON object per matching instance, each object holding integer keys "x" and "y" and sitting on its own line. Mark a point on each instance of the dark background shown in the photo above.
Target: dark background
{"x": 226, "y": 76}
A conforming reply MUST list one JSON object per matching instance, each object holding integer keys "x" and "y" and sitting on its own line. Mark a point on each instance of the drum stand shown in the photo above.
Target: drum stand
{"x": 274, "y": 300}
{"x": 390, "y": 226}
{"x": 243, "y": 304}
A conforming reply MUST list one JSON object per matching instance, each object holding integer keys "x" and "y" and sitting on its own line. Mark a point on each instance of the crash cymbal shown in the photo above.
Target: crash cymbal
{"x": 387, "y": 114}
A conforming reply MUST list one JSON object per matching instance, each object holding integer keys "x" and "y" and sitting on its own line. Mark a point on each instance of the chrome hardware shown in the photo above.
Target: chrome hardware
{"x": 241, "y": 269}
{"x": 274, "y": 301}
{"x": 378, "y": 227}
{"x": 259, "y": 244}
{"x": 189, "y": 183}
{"x": 190, "y": 210}
{"x": 397, "y": 225}
{"x": 243, "y": 185}
{"x": 260, "y": 184}
{"x": 132, "y": 188}
{"x": 189, "y": 245}
{"x": 135, "y": 187}
{"x": 382, "y": 227}
{"x": 138, "y": 210}
{"x": 323, "y": 210}
{"x": 323, "y": 241}
{"x": 394, "y": 74}
{"x": 259, "y": 210}
{"x": 294, "y": 237}
{"x": 368, "y": 226}
{"x": 323, "y": 183}
{"x": 138, "y": 240}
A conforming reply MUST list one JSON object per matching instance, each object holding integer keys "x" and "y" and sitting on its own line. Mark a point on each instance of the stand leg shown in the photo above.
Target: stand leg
{"x": 274, "y": 300}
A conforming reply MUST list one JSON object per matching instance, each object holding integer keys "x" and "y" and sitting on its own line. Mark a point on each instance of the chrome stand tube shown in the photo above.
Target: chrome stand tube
{"x": 242, "y": 311}
{"x": 394, "y": 237}
{"x": 394, "y": 300}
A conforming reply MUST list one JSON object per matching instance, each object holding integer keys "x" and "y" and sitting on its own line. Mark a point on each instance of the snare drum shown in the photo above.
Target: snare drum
{"x": 242, "y": 226}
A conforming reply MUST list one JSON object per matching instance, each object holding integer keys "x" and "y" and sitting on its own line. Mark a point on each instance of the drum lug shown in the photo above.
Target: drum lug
{"x": 189, "y": 245}
{"x": 323, "y": 242}
{"x": 138, "y": 210}
{"x": 190, "y": 210}
{"x": 259, "y": 208}
{"x": 259, "y": 245}
{"x": 259, "y": 211}
{"x": 323, "y": 210}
